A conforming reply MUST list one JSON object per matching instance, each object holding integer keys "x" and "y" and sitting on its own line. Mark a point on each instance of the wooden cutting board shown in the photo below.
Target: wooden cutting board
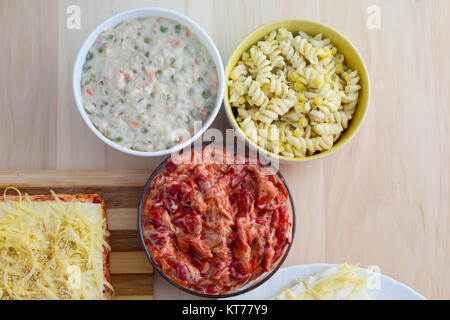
{"x": 131, "y": 272}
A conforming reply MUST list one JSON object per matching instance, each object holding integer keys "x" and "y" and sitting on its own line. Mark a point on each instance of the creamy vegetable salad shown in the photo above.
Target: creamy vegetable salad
{"x": 146, "y": 81}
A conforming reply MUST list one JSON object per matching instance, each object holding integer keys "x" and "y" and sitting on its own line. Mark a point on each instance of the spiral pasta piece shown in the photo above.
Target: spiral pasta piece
{"x": 242, "y": 113}
{"x": 326, "y": 92}
{"x": 307, "y": 50}
{"x": 263, "y": 66}
{"x": 284, "y": 35}
{"x": 273, "y": 52}
{"x": 311, "y": 144}
{"x": 317, "y": 40}
{"x": 237, "y": 91}
{"x": 269, "y": 137}
{"x": 249, "y": 128}
{"x": 238, "y": 72}
{"x": 276, "y": 107}
{"x": 326, "y": 66}
{"x": 329, "y": 100}
{"x": 338, "y": 58}
{"x": 328, "y": 129}
{"x": 350, "y": 107}
{"x": 352, "y": 88}
{"x": 271, "y": 37}
{"x": 312, "y": 76}
{"x": 341, "y": 117}
{"x": 248, "y": 62}
{"x": 293, "y": 57}
{"x": 292, "y": 117}
{"x": 256, "y": 96}
{"x": 278, "y": 88}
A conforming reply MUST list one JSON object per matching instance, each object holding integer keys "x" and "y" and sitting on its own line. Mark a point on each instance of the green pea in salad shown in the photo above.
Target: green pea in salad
{"x": 146, "y": 81}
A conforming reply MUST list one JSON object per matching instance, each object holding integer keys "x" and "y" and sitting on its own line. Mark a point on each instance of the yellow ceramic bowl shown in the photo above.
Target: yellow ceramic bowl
{"x": 352, "y": 59}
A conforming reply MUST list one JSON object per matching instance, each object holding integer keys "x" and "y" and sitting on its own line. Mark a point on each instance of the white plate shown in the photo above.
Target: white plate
{"x": 385, "y": 288}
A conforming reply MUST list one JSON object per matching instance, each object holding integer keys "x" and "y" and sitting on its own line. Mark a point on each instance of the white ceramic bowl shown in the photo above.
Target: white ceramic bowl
{"x": 141, "y": 13}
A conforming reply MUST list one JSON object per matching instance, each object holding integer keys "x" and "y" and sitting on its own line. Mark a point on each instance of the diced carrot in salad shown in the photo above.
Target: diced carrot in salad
{"x": 151, "y": 75}
{"x": 126, "y": 75}
{"x": 175, "y": 43}
{"x": 188, "y": 32}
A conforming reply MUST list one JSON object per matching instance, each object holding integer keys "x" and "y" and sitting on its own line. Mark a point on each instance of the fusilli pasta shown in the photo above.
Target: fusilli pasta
{"x": 293, "y": 94}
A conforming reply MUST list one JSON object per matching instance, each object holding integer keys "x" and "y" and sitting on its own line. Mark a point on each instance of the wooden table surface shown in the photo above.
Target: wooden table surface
{"x": 382, "y": 200}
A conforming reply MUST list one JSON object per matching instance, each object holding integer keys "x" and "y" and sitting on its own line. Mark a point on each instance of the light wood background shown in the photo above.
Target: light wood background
{"x": 382, "y": 200}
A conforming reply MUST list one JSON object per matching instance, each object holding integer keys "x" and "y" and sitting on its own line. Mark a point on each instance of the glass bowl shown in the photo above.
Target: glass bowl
{"x": 247, "y": 286}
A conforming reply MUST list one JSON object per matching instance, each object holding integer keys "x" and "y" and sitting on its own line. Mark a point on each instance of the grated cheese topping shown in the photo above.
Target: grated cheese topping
{"x": 51, "y": 249}
{"x": 339, "y": 283}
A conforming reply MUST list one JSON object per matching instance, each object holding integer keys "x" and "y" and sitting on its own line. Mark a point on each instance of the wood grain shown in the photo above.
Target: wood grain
{"x": 130, "y": 262}
{"x": 125, "y": 240}
{"x": 119, "y": 219}
{"x": 28, "y": 84}
{"x": 132, "y": 284}
{"x": 76, "y": 178}
{"x": 382, "y": 200}
{"x": 131, "y": 297}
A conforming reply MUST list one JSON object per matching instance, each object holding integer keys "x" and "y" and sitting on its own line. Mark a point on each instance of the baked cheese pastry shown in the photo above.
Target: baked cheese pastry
{"x": 54, "y": 247}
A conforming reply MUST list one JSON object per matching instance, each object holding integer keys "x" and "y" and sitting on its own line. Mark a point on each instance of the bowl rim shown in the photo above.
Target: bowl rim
{"x": 268, "y": 275}
{"x": 148, "y": 11}
{"x": 275, "y": 24}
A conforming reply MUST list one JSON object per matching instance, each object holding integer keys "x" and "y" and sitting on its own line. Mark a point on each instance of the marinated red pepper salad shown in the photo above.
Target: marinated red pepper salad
{"x": 212, "y": 227}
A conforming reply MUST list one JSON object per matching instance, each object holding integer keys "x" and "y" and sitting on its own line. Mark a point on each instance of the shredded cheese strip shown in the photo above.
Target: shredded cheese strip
{"x": 51, "y": 249}
{"x": 339, "y": 282}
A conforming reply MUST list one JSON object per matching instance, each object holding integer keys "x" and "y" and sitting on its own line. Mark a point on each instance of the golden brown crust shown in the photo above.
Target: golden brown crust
{"x": 84, "y": 198}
